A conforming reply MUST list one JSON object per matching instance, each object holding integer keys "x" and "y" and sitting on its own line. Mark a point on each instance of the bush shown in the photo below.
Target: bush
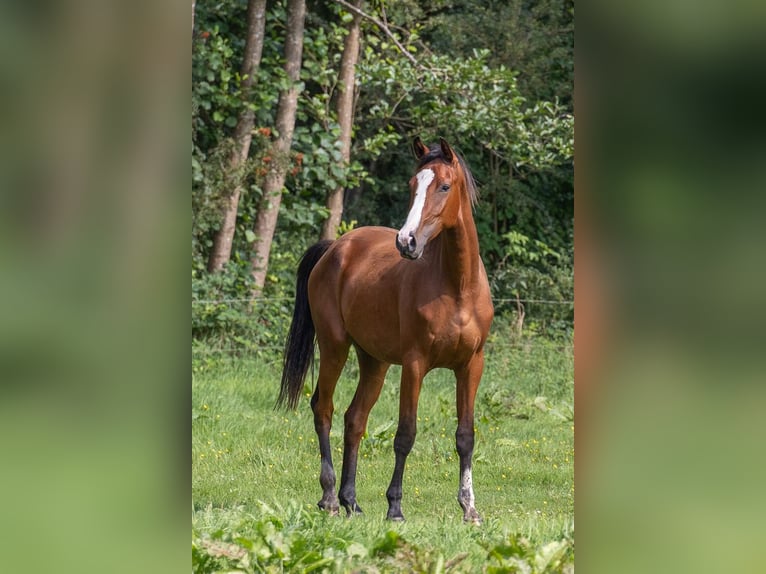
{"x": 538, "y": 282}
{"x": 226, "y": 318}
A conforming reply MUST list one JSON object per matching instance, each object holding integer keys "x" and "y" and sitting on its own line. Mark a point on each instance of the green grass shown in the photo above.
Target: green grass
{"x": 255, "y": 472}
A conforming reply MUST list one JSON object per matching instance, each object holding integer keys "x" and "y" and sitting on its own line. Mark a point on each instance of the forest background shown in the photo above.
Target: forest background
{"x": 283, "y": 153}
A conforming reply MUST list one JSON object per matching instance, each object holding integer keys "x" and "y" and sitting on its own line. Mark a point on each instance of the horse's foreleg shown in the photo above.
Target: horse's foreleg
{"x": 322, "y": 405}
{"x": 467, "y": 384}
{"x": 372, "y": 374}
{"x": 412, "y": 377}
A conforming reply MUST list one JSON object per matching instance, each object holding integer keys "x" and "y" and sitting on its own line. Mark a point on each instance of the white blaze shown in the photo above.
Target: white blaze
{"x": 424, "y": 178}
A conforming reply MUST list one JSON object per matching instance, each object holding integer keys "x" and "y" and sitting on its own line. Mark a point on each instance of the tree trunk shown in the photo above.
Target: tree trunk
{"x": 243, "y": 135}
{"x": 345, "y": 118}
{"x": 266, "y": 220}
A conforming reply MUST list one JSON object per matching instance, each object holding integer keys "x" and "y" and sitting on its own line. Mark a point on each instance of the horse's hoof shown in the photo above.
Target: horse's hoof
{"x": 475, "y": 521}
{"x": 395, "y": 518}
{"x": 472, "y": 517}
{"x": 351, "y": 510}
{"x": 330, "y": 508}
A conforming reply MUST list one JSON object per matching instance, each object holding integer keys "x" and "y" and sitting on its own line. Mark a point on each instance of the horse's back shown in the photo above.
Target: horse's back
{"x": 358, "y": 252}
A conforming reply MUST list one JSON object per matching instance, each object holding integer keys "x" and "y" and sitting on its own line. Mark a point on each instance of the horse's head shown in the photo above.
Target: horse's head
{"x": 437, "y": 191}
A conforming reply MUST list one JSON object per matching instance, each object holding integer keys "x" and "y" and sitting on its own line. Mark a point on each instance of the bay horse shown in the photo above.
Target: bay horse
{"x": 417, "y": 297}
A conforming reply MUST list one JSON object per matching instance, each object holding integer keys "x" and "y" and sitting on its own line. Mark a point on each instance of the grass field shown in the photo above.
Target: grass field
{"x": 255, "y": 473}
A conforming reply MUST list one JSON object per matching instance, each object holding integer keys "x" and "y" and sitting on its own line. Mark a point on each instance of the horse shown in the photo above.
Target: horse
{"x": 417, "y": 297}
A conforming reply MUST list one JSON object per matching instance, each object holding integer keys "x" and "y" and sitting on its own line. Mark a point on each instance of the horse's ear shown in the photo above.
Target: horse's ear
{"x": 446, "y": 150}
{"x": 419, "y": 148}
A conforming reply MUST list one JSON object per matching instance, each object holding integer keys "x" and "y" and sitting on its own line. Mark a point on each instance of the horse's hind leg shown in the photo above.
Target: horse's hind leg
{"x": 372, "y": 374}
{"x": 331, "y": 361}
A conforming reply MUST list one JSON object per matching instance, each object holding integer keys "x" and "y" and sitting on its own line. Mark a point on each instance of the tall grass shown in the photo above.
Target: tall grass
{"x": 255, "y": 472}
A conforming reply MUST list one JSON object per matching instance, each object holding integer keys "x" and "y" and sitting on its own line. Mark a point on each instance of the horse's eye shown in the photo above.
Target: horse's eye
{"x": 444, "y": 187}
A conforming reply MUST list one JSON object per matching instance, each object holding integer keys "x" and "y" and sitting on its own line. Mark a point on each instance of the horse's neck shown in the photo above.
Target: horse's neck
{"x": 460, "y": 255}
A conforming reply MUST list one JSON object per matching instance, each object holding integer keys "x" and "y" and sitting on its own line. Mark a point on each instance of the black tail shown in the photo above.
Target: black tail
{"x": 299, "y": 347}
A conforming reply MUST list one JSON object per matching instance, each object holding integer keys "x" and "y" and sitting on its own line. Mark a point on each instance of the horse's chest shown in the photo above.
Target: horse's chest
{"x": 456, "y": 334}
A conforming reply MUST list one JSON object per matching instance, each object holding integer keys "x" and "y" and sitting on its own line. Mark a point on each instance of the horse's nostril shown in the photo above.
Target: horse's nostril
{"x": 412, "y": 243}
{"x": 401, "y": 246}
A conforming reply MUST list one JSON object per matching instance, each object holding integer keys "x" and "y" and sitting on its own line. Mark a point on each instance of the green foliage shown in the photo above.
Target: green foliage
{"x": 239, "y": 324}
{"x": 464, "y": 99}
{"x": 518, "y": 555}
{"x": 523, "y": 249}
{"x": 293, "y": 539}
{"x": 534, "y": 38}
{"x": 346, "y": 226}
{"x": 538, "y": 280}
{"x": 314, "y": 167}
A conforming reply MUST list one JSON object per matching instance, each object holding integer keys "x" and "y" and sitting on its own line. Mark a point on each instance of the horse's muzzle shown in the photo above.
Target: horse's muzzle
{"x": 407, "y": 249}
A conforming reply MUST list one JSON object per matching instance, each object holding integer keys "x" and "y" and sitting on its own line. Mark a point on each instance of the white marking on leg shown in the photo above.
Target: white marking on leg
{"x": 466, "y": 488}
{"x": 424, "y": 178}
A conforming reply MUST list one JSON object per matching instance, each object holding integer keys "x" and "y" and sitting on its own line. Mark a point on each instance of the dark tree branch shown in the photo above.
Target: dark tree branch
{"x": 383, "y": 27}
